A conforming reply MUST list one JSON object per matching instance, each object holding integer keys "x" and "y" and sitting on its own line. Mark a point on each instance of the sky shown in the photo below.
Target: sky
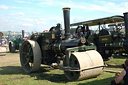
{"x": 40, "y": 15}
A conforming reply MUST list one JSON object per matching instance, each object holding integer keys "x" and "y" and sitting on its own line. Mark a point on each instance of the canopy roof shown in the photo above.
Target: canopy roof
{"x": 118, "y": 24}
{"x": 106, "y": 20}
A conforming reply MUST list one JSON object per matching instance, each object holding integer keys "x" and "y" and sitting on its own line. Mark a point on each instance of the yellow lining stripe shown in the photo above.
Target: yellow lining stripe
{"x": 66, "y": 8}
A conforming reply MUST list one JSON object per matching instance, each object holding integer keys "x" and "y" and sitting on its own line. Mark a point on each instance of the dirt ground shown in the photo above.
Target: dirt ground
{"x": 10, "y": 59}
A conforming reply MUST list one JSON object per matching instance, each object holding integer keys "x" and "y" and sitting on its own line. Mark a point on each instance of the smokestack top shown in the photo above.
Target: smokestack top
{"x": 125, "y": 13}
{"x": 66, "y": 8}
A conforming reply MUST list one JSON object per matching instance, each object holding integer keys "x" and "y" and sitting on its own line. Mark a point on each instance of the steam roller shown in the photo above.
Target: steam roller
{"x": 75, "y": 57}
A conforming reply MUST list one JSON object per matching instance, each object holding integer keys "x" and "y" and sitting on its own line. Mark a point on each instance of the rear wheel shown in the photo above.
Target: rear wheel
{"x": 11, "y": 47}
{"x": 30, "y": 56}
{"x": 106, "y": 54}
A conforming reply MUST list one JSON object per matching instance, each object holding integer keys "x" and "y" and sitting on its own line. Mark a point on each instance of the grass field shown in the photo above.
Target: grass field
{"x": 11, "y": 73}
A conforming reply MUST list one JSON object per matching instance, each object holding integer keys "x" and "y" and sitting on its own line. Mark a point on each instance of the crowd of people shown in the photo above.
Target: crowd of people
{"x": 4, "y": 42}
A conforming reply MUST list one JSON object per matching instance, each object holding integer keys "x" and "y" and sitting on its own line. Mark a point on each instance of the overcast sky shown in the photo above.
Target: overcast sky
{"x": 39, "y": 15}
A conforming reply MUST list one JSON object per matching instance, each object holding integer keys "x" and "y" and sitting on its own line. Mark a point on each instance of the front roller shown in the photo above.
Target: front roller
{"x": 84, "y": 65}
{"x": 30, "y": 56}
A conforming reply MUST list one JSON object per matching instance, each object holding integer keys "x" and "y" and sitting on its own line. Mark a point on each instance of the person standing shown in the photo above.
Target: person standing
{"x": 2, "y": 42}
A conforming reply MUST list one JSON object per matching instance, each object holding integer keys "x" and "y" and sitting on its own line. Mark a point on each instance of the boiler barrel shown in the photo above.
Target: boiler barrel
{"x": 90, "y": 64}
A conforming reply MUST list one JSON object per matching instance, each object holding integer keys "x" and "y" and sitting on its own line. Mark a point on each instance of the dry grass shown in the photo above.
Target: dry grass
{"x": 10, "y": 59}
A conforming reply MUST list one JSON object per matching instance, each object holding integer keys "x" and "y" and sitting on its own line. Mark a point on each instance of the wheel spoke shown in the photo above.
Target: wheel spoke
{"x": 25, "y": 48}
{"x": 24, "y": 53}
{"x": 30, "y": 60}
{"x": 27, "y": 61}
{"x": 28, "y": 45}
{"x": 30, "y": 50}
{"x": 26, "y": 56}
